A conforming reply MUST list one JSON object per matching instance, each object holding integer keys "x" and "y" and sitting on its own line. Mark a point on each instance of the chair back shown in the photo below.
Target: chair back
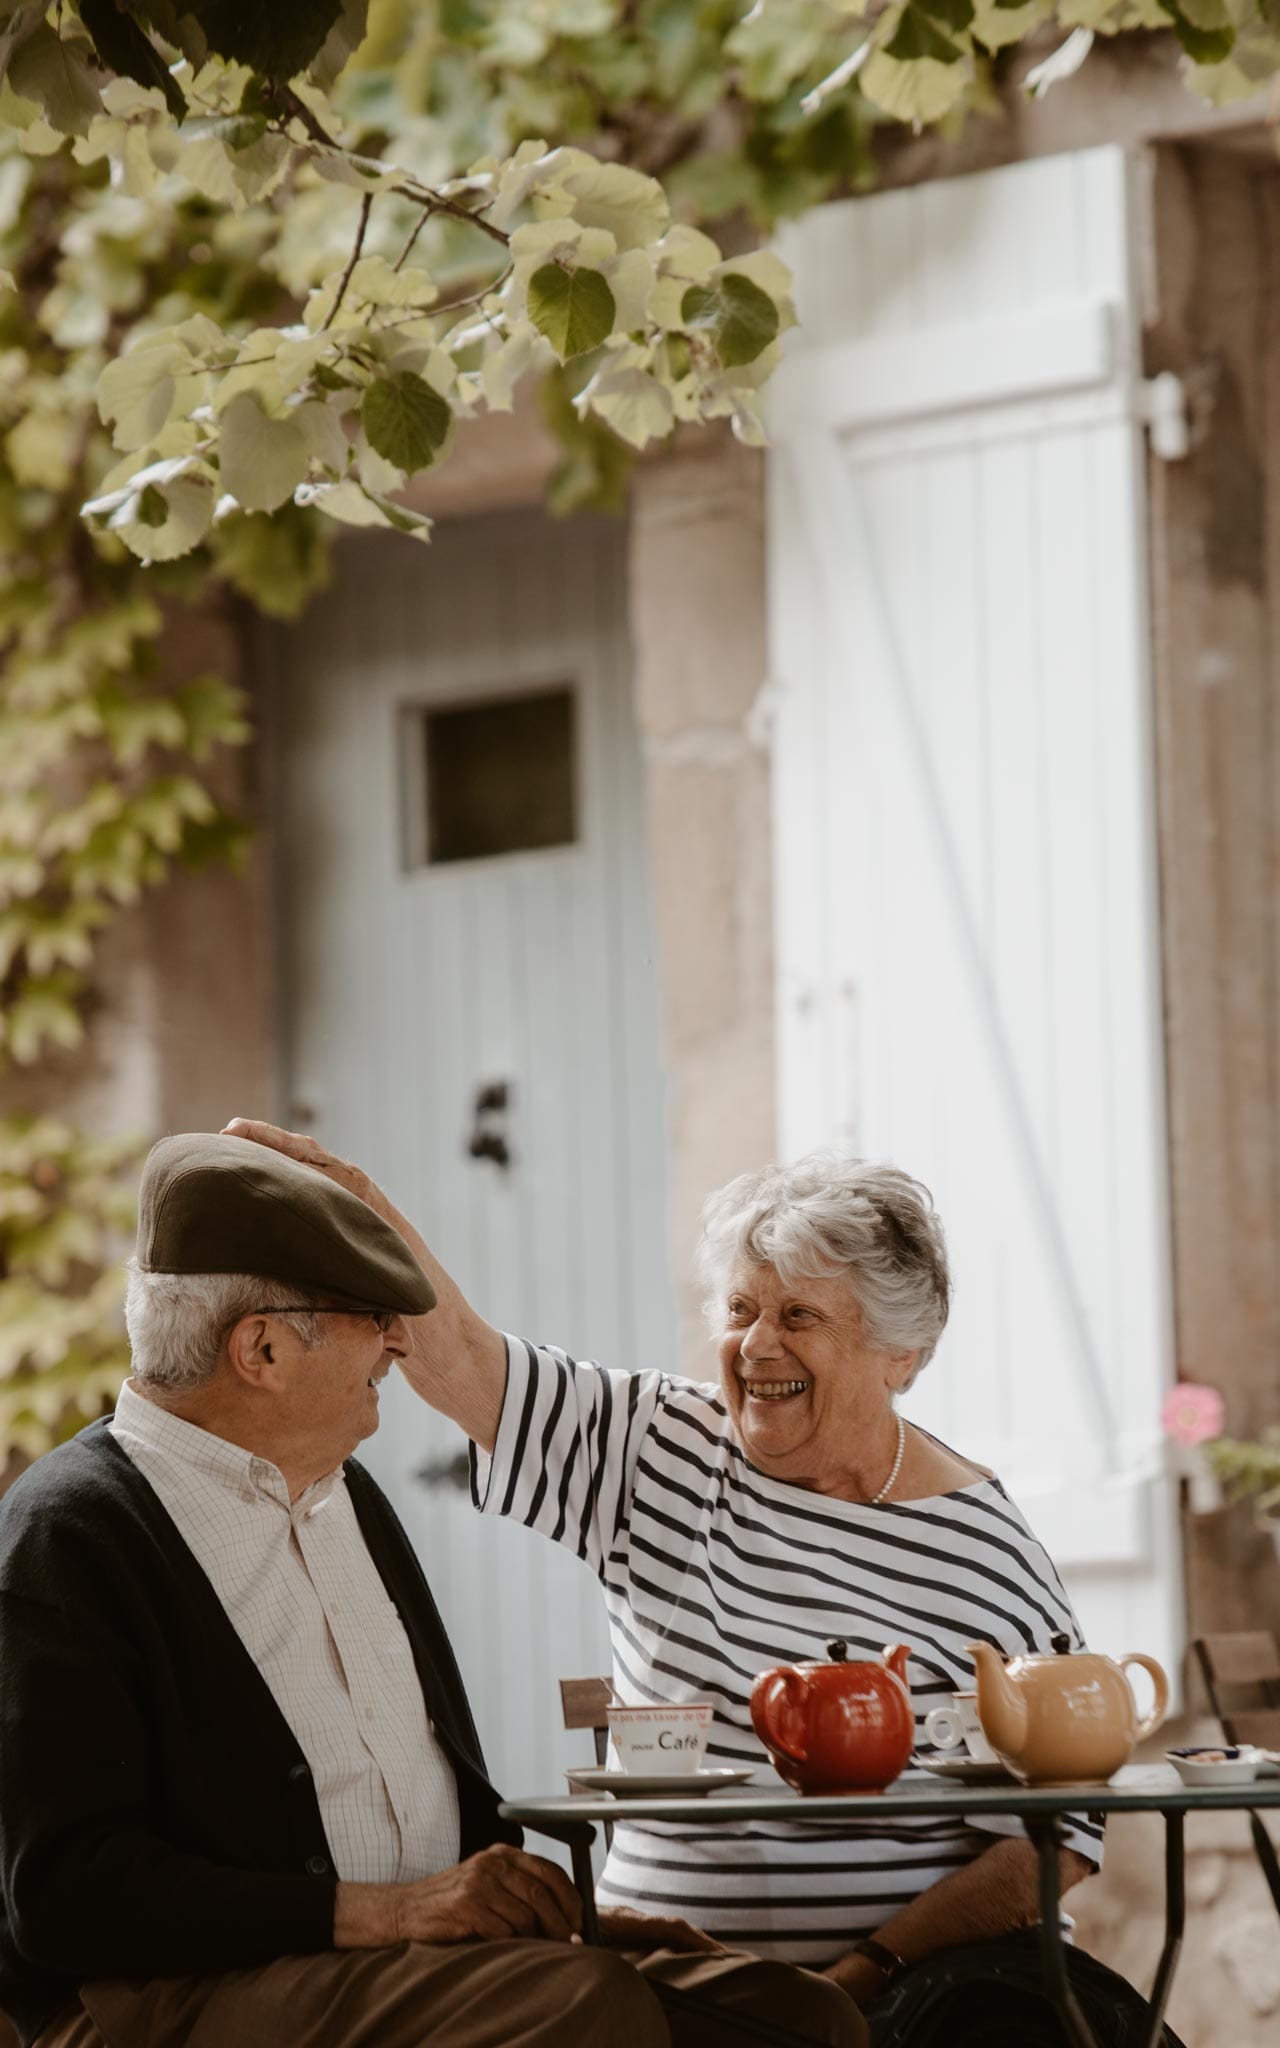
{"x": 584, "y": 1703}
{"x": 1242, "y": 1676}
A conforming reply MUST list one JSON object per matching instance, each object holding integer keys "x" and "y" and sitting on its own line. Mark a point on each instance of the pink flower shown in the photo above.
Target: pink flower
{"x": 1192, "y": 1414}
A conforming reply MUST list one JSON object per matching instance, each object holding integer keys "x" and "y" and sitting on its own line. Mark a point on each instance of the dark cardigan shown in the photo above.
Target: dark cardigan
{"x": 157, "y": 1817}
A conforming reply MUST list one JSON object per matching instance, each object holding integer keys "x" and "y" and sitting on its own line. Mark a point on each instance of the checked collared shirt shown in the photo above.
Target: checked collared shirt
{"x": 306, "y": 1600}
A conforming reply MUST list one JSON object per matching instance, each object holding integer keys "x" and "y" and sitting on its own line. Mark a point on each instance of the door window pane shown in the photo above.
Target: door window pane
{"x": 500, "y": 777}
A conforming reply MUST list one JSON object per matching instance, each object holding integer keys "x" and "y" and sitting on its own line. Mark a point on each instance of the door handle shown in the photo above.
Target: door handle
{"x": 489, "y": 1124}
{"x": 454, "y": 1471}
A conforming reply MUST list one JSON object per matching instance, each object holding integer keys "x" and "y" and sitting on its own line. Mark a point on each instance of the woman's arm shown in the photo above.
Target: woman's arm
{"x": 456, "y": 1361}
{"x": 998, "y": 1891}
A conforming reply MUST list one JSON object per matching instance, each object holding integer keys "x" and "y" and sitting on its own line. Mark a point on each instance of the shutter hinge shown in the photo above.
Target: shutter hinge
{"x": 1162, "y": 405}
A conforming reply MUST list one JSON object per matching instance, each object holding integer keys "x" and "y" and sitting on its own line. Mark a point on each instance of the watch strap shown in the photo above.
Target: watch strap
{"x": 891, "y": 1966}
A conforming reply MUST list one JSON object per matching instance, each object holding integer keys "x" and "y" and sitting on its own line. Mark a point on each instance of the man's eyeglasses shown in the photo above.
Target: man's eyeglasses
{"x": 383, "y": 1317}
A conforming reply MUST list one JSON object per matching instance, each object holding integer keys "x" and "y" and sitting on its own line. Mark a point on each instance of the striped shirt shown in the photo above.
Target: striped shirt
{"x": 306, "y": 1600}
{"x": 713, "y": 1572}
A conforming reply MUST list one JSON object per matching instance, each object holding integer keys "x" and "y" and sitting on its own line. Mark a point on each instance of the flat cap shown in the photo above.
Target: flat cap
{"x": 227, "y": 1205}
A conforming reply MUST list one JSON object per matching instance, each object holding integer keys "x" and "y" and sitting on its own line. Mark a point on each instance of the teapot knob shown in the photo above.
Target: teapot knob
{"x": 1060, "y": 1644}
{"x": 838, "y": 1651}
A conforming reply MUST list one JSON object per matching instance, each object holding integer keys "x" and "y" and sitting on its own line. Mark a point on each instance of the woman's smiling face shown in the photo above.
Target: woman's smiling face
{"x": 809, "y": 1396}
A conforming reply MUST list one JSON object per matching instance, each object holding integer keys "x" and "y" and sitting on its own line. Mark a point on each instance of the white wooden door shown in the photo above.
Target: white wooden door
{"x": 407, "y": 986}
{"x": 968, "y": 935}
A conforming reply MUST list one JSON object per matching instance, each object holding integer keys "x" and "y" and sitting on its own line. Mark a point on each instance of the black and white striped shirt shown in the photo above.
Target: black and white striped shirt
{"x": 712, "y": 1572}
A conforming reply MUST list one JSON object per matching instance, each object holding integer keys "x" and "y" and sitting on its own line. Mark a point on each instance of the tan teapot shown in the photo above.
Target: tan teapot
{"x": 1065, "y": 1719}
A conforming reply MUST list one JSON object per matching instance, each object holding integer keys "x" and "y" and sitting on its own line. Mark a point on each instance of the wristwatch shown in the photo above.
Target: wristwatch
{"x": 890, "y": 1966}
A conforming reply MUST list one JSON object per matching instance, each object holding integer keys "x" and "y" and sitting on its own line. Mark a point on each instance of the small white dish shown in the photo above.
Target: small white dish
{"x": 1224, "y": 1765}
{"x": 968, "y": 1770}
{"x": 658, "y": 1784}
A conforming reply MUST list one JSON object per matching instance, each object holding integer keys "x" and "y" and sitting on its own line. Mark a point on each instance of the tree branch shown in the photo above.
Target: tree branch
{"x": 365, "y": 204}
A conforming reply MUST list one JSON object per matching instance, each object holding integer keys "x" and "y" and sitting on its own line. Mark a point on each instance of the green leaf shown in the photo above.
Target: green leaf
{"x": 626, "y": 204}
{"x": 124, "y": 49}
{"x": 956, "y": 15}
{"x": 343, "y": 40}
{"x": 211, "y": 711}
{"x": 261, "y": 461}
{"x": 354, "y": 505}
{"x": 916, "y": 37}
{"x": 1204, "y": 45}
{"x": 188, "y": 499}
{"x": 916, "y": 92}
{"x": 152, "y": 510}
{"x": 632, "y": 402}
{"x": 594, "y": 465}
{"x": 406, "y": 422}
{"x": 575, "y": 309}
{"x": 55, "y": 72}
{"x": 278, "y": 563}
{"x": 276, "y": 37}
{"x": 136, "y": 393}
{"x": 741, "y": 319}
{"x": 44, "y": 1013}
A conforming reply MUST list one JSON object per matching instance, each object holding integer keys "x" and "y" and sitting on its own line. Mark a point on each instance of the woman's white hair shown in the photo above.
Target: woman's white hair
{"x": 179, "y": 1322}
{"x": 831, "y": 1213}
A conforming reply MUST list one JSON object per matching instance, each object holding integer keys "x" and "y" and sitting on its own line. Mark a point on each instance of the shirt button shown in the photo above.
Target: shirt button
{"x": 299, "y": 1773}
{"x": 317, "y": 1866}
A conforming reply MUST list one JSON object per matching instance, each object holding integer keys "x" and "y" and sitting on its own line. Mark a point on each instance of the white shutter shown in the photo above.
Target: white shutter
{"x": 967, "y": 921}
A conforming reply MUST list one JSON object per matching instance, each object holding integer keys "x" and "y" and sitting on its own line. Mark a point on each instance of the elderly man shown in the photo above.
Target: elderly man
{"x": 241, "y": 1794}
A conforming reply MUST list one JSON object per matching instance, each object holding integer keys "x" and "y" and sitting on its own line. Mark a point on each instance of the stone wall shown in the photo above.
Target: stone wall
{"x": 698, "y": 641}
{"x": 180, "y": 1018}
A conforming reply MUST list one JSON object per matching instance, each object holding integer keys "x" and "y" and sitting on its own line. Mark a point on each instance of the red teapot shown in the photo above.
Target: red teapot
{"x": 836, "y": 1727}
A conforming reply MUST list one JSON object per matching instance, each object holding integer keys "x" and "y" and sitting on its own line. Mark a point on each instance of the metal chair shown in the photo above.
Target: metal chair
{"x": 1242, "y": 1677}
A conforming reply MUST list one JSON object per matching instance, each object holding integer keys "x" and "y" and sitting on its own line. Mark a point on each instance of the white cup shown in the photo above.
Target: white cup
{"x": 661, "y": 1740}
{"x": 957, "y": 1725}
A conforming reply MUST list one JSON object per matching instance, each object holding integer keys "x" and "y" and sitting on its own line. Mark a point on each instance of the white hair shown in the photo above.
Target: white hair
{"x": 831, "y": 1213}
{"x": 179, "y": 1322}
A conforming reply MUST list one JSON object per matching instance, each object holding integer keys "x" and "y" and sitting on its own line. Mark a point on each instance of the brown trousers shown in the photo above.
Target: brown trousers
{"x": 497, "y": 1994}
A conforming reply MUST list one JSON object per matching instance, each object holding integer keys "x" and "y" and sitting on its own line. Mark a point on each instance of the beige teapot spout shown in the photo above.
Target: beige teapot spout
{"x": 1065, "y": 1719}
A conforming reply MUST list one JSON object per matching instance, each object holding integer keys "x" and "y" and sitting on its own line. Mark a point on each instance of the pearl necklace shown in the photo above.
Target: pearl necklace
{"x": 889, "y": 1483}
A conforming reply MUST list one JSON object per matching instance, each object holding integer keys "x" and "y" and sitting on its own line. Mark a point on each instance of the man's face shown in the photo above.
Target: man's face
{"x": 327, "y": 1401}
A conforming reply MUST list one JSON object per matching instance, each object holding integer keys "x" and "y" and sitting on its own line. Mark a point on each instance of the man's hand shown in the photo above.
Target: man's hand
{"x": 500, "y": 1893}
{"x": 621, "y": 1928}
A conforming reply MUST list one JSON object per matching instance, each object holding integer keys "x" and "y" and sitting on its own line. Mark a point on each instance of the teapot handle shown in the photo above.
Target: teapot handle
{"x": 1160, "y": 1708}
{"x": 781, "y": 1712}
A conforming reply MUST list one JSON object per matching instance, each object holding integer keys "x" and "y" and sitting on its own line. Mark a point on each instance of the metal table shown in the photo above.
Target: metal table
{"x": 1139, "y": 1788}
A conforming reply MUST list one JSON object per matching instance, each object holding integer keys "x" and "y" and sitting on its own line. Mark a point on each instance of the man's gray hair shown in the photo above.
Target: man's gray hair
{"x": 179, "y": 1322}
{"x": 832, "y": 1213}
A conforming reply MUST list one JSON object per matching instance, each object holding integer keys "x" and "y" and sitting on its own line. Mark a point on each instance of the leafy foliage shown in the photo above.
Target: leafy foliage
{"x": 64, "y": 1213}
{"x": 1249, "y": 1467}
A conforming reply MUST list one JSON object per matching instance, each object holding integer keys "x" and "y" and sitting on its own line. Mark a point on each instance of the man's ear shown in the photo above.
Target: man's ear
{"x": 254, "y": 1354}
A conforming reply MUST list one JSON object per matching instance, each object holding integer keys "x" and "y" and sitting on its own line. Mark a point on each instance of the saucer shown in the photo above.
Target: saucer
{"x": 969, "y": 1770}
{"x": 657, "y": 1784}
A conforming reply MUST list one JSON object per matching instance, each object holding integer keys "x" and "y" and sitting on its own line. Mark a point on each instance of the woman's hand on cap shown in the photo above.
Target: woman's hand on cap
{"x": 307, "y": 1152}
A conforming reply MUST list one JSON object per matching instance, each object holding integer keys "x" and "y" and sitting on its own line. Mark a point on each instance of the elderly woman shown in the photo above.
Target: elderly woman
{"x": 737, "y": 1526}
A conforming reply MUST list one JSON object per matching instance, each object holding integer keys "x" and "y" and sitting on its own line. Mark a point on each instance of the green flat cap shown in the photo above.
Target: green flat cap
{"x": 227, "y": 1205}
